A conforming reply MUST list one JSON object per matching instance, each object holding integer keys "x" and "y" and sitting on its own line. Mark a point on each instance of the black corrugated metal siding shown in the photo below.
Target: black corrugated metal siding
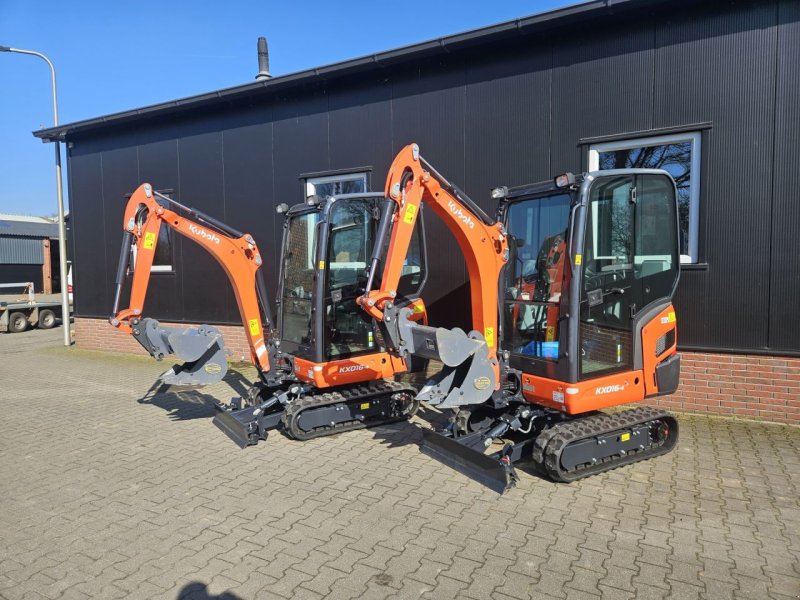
{"x": 784, "y": 273}
{"x": 504, "y": 112}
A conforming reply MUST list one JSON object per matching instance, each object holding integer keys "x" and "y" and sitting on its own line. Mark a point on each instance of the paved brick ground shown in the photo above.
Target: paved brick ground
{"x": 110, "y": 490}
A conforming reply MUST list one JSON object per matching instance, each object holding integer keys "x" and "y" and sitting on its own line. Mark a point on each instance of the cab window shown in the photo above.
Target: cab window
{"x": 533, "y": 283}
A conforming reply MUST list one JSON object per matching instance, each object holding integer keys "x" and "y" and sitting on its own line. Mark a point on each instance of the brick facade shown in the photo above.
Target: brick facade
{"x": 766, "y": 388}
{"x": 98, "y": 334}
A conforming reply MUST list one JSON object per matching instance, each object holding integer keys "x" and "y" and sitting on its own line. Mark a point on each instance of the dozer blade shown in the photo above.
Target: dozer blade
{"x": 239, "y": 425}
{"x": 490, "y": 471}
{"x": 201, "y": 347}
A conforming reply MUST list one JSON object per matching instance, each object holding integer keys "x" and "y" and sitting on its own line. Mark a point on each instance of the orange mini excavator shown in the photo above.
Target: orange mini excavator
{"x": 322, "y": 368}
{"x": 571, "y": 289}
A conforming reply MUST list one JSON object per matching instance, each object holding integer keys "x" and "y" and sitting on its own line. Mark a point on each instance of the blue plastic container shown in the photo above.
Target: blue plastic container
{"x": 541, "y": 349}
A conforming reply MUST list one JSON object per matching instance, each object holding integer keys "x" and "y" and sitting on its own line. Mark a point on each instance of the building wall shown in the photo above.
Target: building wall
{"x": 506, "y": 113}
{"x": 21, "y": 273}
{"x": 766, "y": 388}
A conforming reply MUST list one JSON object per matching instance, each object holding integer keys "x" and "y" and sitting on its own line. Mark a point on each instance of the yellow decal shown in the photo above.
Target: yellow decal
{"x": 255, "y": 328}
{"x": 321, "y": 265}
{"x": 481, "y": 383}
{"x": 212, "y": 368}
{"x": 550, "y": 335}
{"x": 149, "y": 240}
{"x": 365, "y": 406}
{"x": 411, "y": 210}
{"x": 671, "y": 317}
{"x": 624, "y": 437}
{"x": 578, "y": 259}
{"x": 419, "y": 308}
{"x": 488, "y": 333}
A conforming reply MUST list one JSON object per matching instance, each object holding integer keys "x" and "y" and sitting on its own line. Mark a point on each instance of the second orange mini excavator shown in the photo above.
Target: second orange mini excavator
{"x": 571, "y": 289}
{"x": 322, "y": 367}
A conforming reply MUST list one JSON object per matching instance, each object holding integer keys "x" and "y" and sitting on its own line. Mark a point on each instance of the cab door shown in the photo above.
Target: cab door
{"x": 607, "y": 305}
{"x": 629, "y": 265}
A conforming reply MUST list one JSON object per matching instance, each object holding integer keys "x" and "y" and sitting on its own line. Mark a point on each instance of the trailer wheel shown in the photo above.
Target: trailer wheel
{"x": 47, "y": 318}
{"x": 17, "y": 322}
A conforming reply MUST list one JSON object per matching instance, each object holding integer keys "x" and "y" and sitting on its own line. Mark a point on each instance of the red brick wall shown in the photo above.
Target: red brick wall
{"x": 758, "y": 387}
{"x": 766, "y": 388}
{"x": 98, "y": 334}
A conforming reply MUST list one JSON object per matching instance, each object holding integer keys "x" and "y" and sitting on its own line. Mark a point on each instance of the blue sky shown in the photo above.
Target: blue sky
{"x": 112, "y": 56}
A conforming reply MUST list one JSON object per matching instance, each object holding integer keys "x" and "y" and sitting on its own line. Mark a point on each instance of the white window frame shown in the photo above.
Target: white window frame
{"x": 311, "y": 182}
{"x": 310, "y": 185}
{"x": 694, "y": 185}
{"x": 153, "y": 268}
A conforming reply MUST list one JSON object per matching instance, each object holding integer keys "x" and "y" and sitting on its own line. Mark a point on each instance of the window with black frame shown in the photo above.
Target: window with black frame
{"x": 537, "y": 230}
{"x": 352, "y": 227}
{"x": 630, "y": 261}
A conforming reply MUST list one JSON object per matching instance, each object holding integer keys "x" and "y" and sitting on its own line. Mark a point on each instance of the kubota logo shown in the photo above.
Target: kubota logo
{"x": 352, "y": 368}
{"x": 460, "y": 214}
{"x": 608, "y": 389}
{"x": 204, "y": 234}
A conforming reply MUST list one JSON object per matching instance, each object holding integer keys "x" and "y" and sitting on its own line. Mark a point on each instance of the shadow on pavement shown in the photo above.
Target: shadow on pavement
{"x": 185, "y": 403}
{"x": 408, "y": 432}
{"x": 199, "y": 591}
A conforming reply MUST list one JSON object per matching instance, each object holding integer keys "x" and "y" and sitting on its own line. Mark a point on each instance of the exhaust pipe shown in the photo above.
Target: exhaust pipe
{"x": 263, "y": 60}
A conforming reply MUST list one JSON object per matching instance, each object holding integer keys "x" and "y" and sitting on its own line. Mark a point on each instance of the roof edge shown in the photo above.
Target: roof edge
{"x": 506, "y": 29}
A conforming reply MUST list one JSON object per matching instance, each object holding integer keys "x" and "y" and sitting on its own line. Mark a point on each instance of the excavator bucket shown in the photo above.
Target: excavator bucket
{"x": 490, "y": 470}
{"x": 467, "y": 377}
{"x": 202, "y": 348}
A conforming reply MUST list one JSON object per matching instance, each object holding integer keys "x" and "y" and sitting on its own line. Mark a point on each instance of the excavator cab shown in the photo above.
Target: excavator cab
{"x": 594, "y": 262}
{"x": 327, "y": 248}
{"x": 585, "y": 323}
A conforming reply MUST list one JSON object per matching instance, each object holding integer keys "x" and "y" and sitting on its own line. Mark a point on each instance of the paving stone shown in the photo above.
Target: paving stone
{"x": 133, "y": 493}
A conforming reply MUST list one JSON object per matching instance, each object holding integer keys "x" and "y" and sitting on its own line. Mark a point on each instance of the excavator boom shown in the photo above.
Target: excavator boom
{"x": 201, "y": 347}
{"x": 471, "y": 371}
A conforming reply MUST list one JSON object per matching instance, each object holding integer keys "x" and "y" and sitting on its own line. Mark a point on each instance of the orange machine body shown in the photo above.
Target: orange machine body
{"x": 611, "y": 390}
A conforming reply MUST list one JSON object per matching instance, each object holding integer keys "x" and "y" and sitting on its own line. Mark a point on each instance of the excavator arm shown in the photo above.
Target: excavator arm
{"x": 236, "y": 253}
{"x": 472, "y": 372}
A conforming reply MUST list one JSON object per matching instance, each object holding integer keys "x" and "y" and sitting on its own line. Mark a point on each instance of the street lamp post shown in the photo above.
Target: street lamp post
{"x": 62, "y": 230}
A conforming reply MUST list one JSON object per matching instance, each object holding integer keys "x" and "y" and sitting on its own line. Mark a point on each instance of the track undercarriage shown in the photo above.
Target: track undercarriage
{"x": 304, "y": 413}
{"x": 561, "y": 447}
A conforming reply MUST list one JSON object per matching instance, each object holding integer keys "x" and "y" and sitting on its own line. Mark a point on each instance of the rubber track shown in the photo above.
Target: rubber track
{"x": 554, "y": 440}
{"x": 347, "y": 395}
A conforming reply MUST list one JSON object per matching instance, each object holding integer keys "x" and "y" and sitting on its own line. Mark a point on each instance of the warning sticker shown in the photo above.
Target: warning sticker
{"x": 411, "y": 210}
{"x": 364, "y": 405}
{"x": 550, "y": 334}
{"x": 321, "y": 265}
{"x": 149, "y": 240}
{"x": 578, "y": 259}
{"x": 255, "y": 328}
{"x": 488, "y": 333}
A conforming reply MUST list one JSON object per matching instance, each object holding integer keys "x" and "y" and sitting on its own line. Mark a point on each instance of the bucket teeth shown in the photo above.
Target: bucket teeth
{"x": 201, "y": 347}
{"x": 471, "y": 382}
{"x": 210, "y": 368}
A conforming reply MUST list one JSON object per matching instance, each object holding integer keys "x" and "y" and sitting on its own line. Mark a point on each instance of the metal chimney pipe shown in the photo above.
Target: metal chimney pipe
{"x": 263, "y": 60}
